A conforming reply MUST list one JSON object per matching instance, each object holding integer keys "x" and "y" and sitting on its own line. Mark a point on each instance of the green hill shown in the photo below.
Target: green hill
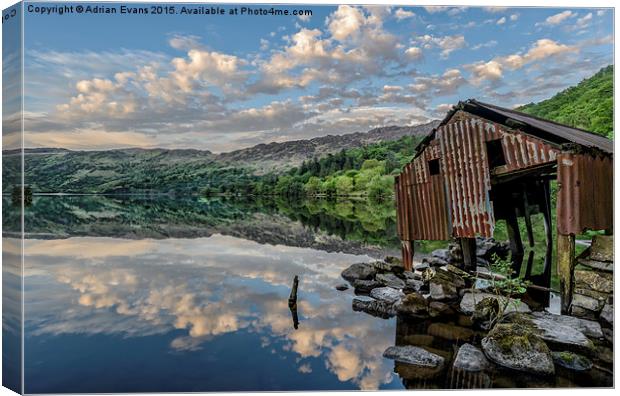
{"x": 588, "y": 105}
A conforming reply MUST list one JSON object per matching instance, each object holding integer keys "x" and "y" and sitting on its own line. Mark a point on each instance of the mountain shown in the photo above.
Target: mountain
{"x": 588, "y": 105}
{"x": 269, "y": 157}
{"x": 181, "y": 170}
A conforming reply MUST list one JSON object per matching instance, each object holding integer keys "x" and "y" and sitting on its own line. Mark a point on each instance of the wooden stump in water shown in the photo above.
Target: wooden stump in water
{"x": 292, "y": 302}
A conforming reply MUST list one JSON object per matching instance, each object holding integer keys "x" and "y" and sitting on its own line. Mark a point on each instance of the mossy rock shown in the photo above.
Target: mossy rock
{"x": 571, "y": 361}
{"x": 517, "y": 346}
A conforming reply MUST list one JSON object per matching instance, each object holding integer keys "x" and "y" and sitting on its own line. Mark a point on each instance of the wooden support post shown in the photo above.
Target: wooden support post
{"x": 292, "y": 302}
{"x": 546, "y": 209}
{"x": 407, "y": 252}
{"x": 516, "y": 245}
{"x": 527, "y": 216}
{"x": 468, "y": 246}
{"x": 566, "y": 266}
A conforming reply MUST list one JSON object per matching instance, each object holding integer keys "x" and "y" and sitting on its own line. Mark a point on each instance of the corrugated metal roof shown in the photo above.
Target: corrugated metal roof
{"x": 544, "y": 129}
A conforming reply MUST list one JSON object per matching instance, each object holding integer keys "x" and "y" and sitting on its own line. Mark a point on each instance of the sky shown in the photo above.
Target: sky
{"x": 223, "y": 83}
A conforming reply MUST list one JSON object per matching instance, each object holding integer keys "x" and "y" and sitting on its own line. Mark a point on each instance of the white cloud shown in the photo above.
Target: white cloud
{"x": 514, "y": 17}
{"x": 414, "y": 52}
{"x": 401, "y": 14}
{"x": 493, "y": 70}
{"x": 501, "y": 21}
{"x": 447, "y": 44}
{"x": 559, "y": 18}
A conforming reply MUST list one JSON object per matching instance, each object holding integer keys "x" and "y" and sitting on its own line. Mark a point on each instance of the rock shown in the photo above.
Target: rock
{"x": 390, "y": 280}
{"x": 413, "y": 285}
{"x": 359, "y": 271}
{"x": 602, "y": 248}
{"x": 594, "y": 280}
{"x": 486, "y": 312}
{"x": 557, "y": 335}
{"x": 443, "y": 254}
{"x": 380, "y": 309}
{"x": 386, "y": 294}
{"x": 606, "y": 355}
{"x": 421, "y": 266}
{"x": 365, "y": 286}
{"x": 450, "y": 332}
{"x": 457, "y": 271}
{"x": 414, "y": 355}
{"x": 436, "y": 262}
{"x": 482, "y": 262}
{"x": 412, "y": 304}
{"x": 590, "y": 328}
{"x": 411, "y": 275}
{"x": 395, "y": 268}
{"x": 442, "y": 290}
{"x": 437, "y": 308}
{"x": 444, "y": 285}
{"x": 470, "y": 300}
{"x": 586, "y": 303}
{"x": 609, "y": 335}
{"x": 470, "y": 358}
{"x": 393, "y": 260}
{"x": 607, "y": 314}
{"x": 598, "y": 265}
{"x": 516, "y": 347}
{"x": 591, "y": 293}
{"x": 571, "y": 361}
{"x": 342, "y": 286}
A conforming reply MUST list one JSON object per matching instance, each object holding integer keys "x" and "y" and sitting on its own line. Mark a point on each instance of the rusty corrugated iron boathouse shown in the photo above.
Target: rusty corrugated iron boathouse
{"x": 485, "y": 163}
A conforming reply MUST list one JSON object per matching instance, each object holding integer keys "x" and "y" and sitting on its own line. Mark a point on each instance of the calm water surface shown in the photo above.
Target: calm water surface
{"x": 137, "y": 294}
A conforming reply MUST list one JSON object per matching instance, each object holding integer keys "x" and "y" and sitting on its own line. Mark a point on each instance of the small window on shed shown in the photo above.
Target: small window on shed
{"x": 495, "y": 153}
{"x": 433, "y": 167}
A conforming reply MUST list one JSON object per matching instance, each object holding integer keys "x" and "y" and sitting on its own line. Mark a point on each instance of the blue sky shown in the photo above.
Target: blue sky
{"x": 226, "y": 82}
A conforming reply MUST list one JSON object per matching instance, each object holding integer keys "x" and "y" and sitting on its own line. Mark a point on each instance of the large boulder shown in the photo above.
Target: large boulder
{"x": 469, "y": 301}
{"x": 559, "y": 336}
{"x": 387, "y": 294}
{"x": 414, "y": 355}
{"x": 470, "y": 358}
{"x": 590, "y": 328}
{"x": 571, "y": 361}
{"x": 390, "y": 280}
{"x": 376, "y": 308}
{"x": 516, "y": 346}
{"x": 359, "y": 271}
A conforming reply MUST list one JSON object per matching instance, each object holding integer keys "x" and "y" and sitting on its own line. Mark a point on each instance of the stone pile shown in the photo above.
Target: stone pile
{"x": 522, "y": 340}
{"x": 485, "y": 249}
{"x": 594, "y": 284}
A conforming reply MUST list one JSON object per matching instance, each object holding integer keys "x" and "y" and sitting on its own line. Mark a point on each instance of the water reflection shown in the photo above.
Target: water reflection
{"x": 193, "y": 292}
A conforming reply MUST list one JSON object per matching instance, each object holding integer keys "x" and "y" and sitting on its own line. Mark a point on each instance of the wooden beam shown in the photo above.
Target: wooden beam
{"x": 516, "y": 245}
{"x": 566, "y": 267}
{"x": 468, "y": 246}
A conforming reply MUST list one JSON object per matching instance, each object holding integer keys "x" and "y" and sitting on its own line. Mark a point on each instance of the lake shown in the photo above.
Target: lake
{"x": 155, "y": 294}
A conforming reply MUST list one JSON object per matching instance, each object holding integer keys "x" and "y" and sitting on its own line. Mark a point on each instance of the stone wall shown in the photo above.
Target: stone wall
{"x": 594, "y": 284}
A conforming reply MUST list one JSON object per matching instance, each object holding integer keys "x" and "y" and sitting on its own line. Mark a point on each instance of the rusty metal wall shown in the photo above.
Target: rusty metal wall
{"x": 585, "y": 193}
{"x": 457, "y": 202}
{"x": 467, "y": 175}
